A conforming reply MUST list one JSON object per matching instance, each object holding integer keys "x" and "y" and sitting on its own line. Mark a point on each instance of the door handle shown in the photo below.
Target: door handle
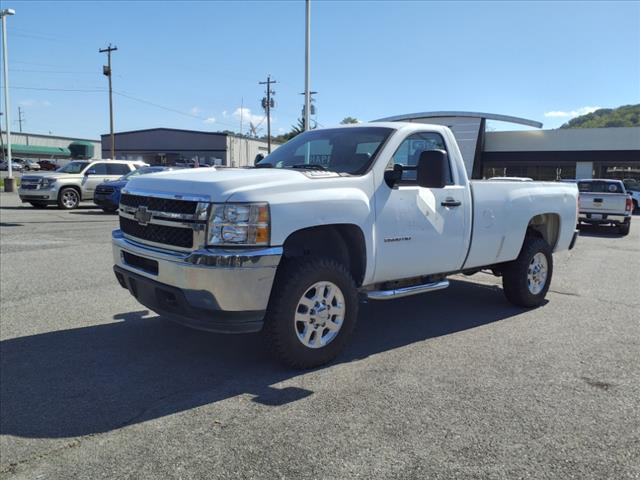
{"x": 450, "y": 202}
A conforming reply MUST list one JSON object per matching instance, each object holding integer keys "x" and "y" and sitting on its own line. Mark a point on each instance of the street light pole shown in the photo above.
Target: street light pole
{"x": 9, "y": 182}
{"x": 307, "y": 55}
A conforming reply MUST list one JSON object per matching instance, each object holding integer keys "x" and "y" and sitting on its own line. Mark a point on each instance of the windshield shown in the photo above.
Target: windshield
{"x": 631, "y": 184}
{"x": 601, "y": 187}
{"x": 342, "y": 150}
{"x": 142, "y": 171}
{"x": 73, "y": 167}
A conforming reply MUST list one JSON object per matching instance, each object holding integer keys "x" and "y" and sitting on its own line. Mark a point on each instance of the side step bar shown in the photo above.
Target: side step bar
{"x": 406, "y": 291}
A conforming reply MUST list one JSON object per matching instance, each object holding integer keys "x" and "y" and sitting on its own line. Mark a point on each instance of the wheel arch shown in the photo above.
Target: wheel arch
{"x": 545, "y": 226}
{"x": 342, "y": 242}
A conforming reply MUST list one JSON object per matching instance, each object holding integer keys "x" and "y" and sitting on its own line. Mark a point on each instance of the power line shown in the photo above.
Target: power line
{"x": 46, "y": 89}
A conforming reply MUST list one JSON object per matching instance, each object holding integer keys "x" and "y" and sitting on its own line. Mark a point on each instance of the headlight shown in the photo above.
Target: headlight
{"x": 240, "y": 224}
{"x": 48, "y": 182}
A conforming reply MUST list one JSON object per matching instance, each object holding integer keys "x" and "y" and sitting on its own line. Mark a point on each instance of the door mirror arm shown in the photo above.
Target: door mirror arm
{"x": 393, "y": 177}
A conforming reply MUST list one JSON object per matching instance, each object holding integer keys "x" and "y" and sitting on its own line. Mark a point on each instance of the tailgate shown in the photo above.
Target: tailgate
{"x": 613, "y": 203}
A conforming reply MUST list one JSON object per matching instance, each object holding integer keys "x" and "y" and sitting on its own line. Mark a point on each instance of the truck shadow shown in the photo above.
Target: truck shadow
{"x": 99, "y": 378}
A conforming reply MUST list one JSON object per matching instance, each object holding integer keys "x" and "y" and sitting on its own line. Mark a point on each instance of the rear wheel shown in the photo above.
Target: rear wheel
{"x": 38, "y": 204}
{"x": 69, "y": 198}
{"x": 109, "y": 210}
{"x": 624, "y": 228}
{"x": 312, "y": 311}
{"x": 526, "y": 279}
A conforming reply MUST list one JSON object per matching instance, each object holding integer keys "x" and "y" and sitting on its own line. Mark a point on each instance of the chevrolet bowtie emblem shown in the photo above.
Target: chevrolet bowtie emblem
{"x": 143, "y": 216}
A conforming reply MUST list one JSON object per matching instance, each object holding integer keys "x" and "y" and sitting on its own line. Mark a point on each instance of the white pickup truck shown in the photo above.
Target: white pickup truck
{"x": 377, "y": 211}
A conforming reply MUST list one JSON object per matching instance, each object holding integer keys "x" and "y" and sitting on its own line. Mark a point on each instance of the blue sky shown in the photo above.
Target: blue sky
{"x": 546, "y": 61}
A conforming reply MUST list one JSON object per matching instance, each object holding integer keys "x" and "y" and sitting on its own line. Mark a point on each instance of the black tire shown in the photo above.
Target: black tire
{"x": 295, "y": 278}
{"x": 109, "y": 210}
{"x": 624, "y": 228}
{"x": 515, "y": 281}
{"x": 68, "y": 198}
{"x": 38, "y": 204}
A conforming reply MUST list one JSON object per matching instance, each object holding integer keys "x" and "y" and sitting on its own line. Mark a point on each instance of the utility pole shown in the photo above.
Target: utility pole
{"x": 307, "y": 69}
{"x": 9, "y": 182}
{"x": 268, "y": 104}
{"x": 106, "y": 70}
{"x": 312, "y": 109}
{"x": 20, "y": 119}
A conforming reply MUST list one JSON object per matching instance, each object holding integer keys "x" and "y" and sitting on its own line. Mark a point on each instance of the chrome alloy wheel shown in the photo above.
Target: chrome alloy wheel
{"x": 537, "y": 273}
{"x": 319, "y": 315}
{"x": 70, "y": 198}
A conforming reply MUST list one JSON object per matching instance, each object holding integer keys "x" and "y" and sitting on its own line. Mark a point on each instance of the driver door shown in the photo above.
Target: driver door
{"x": 419, "y": 231}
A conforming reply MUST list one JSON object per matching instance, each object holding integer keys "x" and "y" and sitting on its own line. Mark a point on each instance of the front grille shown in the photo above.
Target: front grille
{"x": 104, "y": 189}
{"x": 159, "y": 204}
{"x": 176, "y": 236}
{"x": 30, "y": 186}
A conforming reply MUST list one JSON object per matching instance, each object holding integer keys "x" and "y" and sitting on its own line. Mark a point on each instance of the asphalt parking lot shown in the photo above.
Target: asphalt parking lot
{"x": 453, "y": 384}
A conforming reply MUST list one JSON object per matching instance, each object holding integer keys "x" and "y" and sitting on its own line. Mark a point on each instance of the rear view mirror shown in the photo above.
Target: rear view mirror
{"x": 433, "y": 167}
{"x": 393, "y": 177}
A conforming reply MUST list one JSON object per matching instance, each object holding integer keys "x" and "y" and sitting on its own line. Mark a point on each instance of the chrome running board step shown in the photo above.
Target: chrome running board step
{"x": 406, "y": 291}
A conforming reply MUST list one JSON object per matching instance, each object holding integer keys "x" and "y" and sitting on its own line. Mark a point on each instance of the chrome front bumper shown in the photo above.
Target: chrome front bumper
{"x": 223, "y": 290}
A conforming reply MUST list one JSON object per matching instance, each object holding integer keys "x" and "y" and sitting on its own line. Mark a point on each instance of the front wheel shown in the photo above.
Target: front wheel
{"x": 69, "y": 198}
{"x": 312, "y": 311}
{"x": 526, "y": 280}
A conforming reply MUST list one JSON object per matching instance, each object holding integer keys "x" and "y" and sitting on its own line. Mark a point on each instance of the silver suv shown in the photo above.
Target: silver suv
{"x": 74, "y": 182}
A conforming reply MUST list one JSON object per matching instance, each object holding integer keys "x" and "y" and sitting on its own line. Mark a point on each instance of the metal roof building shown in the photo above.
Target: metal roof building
{"x": 166, "y": 146}
{"x": 539, "y": 154}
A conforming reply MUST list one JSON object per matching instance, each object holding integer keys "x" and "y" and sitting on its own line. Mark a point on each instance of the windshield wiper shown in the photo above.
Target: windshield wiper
{"x": 308, "y": 166}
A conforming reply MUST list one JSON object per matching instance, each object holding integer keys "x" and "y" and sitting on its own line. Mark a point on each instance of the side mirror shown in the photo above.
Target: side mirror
{"x": 392, "y": 177}
{"x": 433, "y": 169}
{"x": 258, "y": 158}
{"x": 91, "y": 171}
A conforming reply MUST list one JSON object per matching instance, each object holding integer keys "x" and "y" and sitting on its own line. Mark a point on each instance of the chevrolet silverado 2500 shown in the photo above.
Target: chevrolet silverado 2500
{"x": 379, "y": 210}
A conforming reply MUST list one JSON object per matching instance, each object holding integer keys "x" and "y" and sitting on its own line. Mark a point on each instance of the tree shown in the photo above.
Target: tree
{"x": 625, "y": 116}
{"x": 348, "y": 120}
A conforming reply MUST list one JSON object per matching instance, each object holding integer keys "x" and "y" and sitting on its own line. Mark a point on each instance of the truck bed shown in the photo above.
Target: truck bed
{"x": 503, "y": 208}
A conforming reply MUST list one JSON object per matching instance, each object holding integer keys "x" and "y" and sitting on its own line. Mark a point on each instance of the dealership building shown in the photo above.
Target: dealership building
{"x": 537, "y": 153}
{"x": 168, "y": 146}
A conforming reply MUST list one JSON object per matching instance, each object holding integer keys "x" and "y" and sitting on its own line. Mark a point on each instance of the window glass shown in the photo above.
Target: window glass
{"x": 600, "y": 187}
{"x": 117, "y": 169}
{"x": 98, "y": 169}
{"x": 408, "y": 154}
{"x": 342, "y": 150}
{"x": 73, "y": 167}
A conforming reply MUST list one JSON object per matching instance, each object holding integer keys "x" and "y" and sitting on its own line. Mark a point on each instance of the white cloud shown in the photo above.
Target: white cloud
{"x": 210, "y": 120}
{"x": 30, "y": 102}
{"x": 195, "y": 111}
{"x": 572, "y": 113}
{"x": 247, "y": 116}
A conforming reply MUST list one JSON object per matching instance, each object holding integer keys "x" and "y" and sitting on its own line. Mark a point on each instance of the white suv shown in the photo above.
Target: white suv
{"x": 74, "y": 182}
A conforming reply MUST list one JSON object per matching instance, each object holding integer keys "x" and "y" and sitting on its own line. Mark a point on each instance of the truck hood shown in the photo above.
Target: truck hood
{"x": 220, "y": 184}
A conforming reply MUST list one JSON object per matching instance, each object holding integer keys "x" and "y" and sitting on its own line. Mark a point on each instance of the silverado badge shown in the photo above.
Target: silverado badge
{"x": 142, "y": 215}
